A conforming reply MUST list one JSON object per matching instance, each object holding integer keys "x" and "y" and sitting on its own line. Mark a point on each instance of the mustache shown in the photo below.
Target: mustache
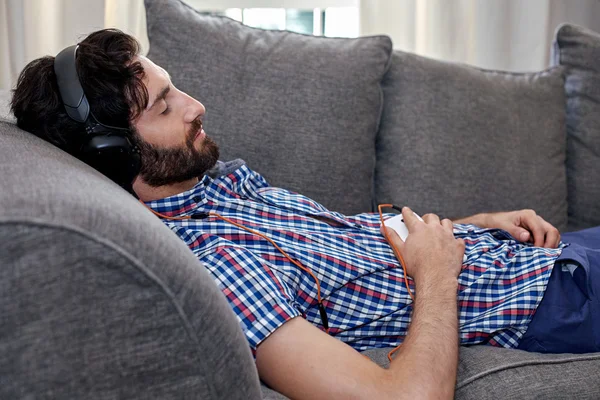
{"x": 194, "y": 128}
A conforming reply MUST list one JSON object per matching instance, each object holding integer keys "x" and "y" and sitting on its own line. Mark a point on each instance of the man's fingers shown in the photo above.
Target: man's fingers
{"x": 393, "y": 237}
{"x": 390, "y": 232}
{"x": 410, "y": 219}
{"x": 446, "y": 223}
{"x": 535, "y": 226}
{"x": 552, "y": 239}
{"x": 523, "y": 235}
{"x": 431, "y": 218}
{"x": 552, "y": 235}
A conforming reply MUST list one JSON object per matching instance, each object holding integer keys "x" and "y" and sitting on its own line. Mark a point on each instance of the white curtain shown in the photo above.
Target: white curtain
{"x": 513, "y": 35}
{"x": 34, "y": 28}
{"x": 130, "y": 17}
{"x": 497, "y": 34}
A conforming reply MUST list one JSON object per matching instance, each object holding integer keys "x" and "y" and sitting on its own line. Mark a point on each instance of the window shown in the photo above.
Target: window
{"x": 333, "y": 18}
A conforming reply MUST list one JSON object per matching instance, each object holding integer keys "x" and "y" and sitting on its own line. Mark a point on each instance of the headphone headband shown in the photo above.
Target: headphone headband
{"x": 107, "y": 148}
{"x": 69, "y": 87}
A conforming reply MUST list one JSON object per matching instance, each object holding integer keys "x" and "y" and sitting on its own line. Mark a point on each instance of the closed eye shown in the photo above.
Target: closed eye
{"x": 167, "y": 110}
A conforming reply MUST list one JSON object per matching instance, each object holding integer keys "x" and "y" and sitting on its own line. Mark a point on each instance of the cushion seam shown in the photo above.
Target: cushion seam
{"x": 483, "y": 374}
{"x": 540, "y": 72}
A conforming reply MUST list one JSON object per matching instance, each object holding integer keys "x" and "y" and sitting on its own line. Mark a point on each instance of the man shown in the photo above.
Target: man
{"x": 336, "y": 286}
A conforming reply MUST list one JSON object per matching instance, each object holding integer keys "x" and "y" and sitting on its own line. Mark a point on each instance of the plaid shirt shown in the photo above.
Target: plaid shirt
{"x": 501, "y": 284}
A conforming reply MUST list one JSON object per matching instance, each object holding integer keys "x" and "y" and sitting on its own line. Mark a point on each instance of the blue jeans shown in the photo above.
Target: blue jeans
{"x": 568, "y": 318}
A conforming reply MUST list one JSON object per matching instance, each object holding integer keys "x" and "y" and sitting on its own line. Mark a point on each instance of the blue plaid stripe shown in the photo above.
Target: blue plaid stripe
{"x": 362, "y": 284}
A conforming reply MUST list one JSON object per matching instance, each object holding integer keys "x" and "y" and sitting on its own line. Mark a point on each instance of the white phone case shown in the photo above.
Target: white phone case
{"x": 397, "y": 224}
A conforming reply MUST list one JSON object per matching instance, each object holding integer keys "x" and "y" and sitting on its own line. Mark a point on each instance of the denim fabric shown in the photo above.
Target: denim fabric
{"x": 567, "y": 320}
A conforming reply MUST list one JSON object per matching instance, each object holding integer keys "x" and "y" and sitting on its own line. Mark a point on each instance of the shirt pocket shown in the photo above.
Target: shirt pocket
{"x": 501, "y": 234}
{"x": 337, "y": 221}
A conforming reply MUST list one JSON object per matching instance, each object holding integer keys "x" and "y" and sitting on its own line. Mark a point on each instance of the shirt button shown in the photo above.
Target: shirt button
{"x": 197, "y": 199}
{"x": 359, "y": 226}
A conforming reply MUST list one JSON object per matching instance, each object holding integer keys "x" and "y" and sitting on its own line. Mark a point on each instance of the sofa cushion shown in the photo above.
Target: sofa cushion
{"x": 5, "y": 114}
{"x": 99, "y": 299}
{"x": 457, "y": 140}
{"x": 486, "y": 372}
{"x": 301, "y": 110}
{"x": 578, "y": 50}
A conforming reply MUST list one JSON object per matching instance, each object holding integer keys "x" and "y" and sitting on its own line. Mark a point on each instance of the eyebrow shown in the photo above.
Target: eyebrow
{"x": 161, "y": 96}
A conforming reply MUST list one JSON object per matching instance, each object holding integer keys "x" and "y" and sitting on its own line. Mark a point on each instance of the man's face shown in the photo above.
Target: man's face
{"x": 174, "y": 146}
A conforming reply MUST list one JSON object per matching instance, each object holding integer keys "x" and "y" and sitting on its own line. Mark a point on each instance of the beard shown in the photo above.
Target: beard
{"x": 165, "y": 166}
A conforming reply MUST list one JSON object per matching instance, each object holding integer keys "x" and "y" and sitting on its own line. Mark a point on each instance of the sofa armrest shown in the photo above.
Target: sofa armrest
{"x": 98, "y": 298}
{"x": 83, "y": 318}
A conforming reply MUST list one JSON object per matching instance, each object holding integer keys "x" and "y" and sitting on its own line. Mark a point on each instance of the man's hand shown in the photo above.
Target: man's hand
{"x": 526, "y": 226}
{"x": 431, "y": 252}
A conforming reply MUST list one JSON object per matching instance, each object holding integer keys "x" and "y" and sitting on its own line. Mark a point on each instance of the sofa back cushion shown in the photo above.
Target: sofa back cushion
{"x": 456, "y": 140}
{"x": 578, "y": 50}
{"x": 301, "y": 110}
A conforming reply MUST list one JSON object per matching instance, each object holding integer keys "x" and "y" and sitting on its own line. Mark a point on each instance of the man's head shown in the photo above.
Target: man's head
{"x": 124, "y": 89}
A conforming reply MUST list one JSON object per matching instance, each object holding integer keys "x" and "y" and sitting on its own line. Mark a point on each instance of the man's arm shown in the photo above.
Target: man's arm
{"x": 428, "y": 358}
{"x": 477, "y": 219}
{"x": 303, "y": 362}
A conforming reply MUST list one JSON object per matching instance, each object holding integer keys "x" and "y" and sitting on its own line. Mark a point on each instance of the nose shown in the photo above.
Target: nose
{"x": 194, "y": 110}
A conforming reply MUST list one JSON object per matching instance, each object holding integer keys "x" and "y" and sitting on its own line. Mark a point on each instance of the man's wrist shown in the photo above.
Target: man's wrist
{"x": 480, "y": 220}
{"x": 436, "y": 287}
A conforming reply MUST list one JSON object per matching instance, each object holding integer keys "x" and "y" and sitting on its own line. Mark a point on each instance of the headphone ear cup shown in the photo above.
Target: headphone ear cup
{"x": 113, "y": 156}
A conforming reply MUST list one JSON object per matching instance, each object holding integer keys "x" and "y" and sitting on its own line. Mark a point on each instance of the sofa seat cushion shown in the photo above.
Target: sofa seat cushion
{"x": 457, "y": 140}
{"x": 301, "y": 110}
{"x": 486, "y": 372}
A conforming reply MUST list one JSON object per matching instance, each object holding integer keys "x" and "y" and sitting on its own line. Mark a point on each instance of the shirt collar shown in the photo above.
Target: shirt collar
{"x": 186, "y": 203}
{"x": 182, "y": 204}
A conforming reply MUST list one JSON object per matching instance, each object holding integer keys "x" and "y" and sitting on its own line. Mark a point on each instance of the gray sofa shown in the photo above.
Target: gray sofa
{"x": 99, "y": 300}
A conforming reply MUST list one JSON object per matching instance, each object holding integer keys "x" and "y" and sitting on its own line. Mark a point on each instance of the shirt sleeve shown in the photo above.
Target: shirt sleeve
{"x": 260, "y": 299}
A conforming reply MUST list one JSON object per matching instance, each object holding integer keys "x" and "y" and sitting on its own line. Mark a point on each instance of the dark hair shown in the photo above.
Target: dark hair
{"x": 112, "y": 83}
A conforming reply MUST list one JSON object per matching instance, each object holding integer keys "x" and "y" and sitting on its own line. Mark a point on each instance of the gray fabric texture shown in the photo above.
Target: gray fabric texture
{"x": 302, "y": 111}
{"x": 100, "y": 300}
{"x": 457, "y": 140}
{"x": 5, "y": 114}
{"x": 486, "y": 372}
{"x": 578, "y": 50}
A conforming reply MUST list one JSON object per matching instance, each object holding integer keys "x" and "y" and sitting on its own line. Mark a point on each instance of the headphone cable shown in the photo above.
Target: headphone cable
{"x": 322, "y": 311}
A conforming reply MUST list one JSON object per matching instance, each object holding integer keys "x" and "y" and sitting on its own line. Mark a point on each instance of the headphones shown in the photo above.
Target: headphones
{"x": 107, "y": 148}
